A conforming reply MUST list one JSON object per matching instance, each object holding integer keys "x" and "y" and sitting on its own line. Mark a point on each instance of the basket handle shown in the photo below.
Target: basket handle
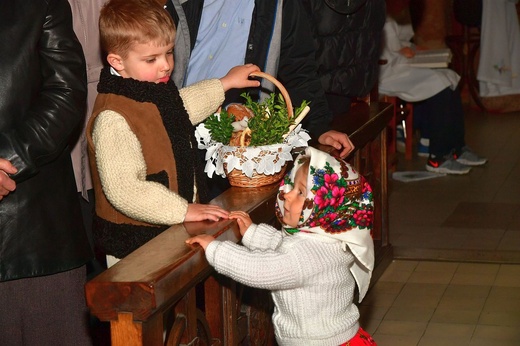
{"x": 243, "y": 136}
{"x": 285, "y": 94}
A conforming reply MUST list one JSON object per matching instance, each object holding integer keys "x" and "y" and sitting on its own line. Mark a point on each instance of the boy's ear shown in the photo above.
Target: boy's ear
{"x": 115, "y": 61}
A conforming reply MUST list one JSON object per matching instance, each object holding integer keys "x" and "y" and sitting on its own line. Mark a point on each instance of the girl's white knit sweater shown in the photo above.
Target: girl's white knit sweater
{"x": 309, "y": 278}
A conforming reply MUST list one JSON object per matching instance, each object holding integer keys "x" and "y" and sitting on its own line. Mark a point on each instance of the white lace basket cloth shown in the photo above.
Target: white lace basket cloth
{"x": 266, "y": 159}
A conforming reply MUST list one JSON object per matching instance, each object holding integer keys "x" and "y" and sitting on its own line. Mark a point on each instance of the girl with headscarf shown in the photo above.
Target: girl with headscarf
{"x": 311, "y": 266}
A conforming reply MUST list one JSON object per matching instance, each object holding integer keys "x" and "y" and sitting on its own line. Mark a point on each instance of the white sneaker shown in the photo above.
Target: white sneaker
{"x": 447, "y": 166}
{"x": 423, "y": 147}
{"x": 469, "y": 158}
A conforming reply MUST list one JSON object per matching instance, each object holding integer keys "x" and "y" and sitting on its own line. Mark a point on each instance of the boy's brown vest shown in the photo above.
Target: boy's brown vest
{"x": 115, "y": 233}
{"x": 145, "y": 122}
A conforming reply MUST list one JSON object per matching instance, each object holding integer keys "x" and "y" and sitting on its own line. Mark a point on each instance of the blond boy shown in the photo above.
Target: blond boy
{"x": 143, "y": 153}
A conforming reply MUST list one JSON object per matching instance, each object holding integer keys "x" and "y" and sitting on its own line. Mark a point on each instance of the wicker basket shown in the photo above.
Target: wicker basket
{"x": 237, "y": 177}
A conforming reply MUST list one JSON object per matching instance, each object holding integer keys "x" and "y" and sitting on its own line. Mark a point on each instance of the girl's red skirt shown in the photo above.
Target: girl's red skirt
{"x": 362, "y": 338}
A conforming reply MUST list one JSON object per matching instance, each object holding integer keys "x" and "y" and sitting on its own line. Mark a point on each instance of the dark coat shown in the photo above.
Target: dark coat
{"x": 347, "y": 35}
{"x": 42, "y": 102}
{"x": 297, "y": 69}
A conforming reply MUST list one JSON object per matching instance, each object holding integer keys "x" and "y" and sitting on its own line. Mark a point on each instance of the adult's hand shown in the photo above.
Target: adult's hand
{"x": 337, "y": 140}
{"x": 200, "y": 212}
{"x": 7, "y": 184}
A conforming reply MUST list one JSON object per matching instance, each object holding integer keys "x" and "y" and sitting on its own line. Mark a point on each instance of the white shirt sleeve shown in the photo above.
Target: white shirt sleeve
{"x": 122, "y": 171}
{"x": 392, "y": 42}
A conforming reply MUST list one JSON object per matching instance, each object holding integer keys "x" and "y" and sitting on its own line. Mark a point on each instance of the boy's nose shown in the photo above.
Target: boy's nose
{"x": 167, "y": 65}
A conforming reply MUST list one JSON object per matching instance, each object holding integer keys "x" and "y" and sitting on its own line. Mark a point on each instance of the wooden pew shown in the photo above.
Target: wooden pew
{"x": 165, "y": 293}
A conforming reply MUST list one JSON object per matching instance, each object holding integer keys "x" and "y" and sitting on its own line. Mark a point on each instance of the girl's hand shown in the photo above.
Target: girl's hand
{"x": 238, "y": 77}
{"x": 243, "y": 220}
{"x": 202, "y": 239}
{"x": 200, "y": 212}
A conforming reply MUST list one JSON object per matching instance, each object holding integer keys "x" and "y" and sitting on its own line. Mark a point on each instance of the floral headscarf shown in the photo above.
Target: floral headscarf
{"x": 339, "y": 204}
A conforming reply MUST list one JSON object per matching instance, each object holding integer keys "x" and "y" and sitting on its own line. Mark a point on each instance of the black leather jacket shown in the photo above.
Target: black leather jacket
{"x": 297, "y": 69}
{"x": 347, "y": 35}
{"x": 42, "y": 101}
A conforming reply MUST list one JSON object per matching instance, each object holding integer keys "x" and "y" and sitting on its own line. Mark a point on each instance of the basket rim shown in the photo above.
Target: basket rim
{"x": 256, "y": 146}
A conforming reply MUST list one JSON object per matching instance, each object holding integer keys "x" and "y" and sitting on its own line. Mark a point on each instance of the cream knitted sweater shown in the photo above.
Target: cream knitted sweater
{"x": 121, "y": 165}
{"x": 309, "y": 278}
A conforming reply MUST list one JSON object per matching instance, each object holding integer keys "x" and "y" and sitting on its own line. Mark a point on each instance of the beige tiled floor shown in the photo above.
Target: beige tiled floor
{"x": 456, "y": 275}
{"x": 449, "y": 303}
{"x": 470, "y": 217}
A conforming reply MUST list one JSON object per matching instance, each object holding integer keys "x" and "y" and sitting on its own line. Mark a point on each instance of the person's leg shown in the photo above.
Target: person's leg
{"x": 420, "y": 118}
{"x": 10, "y": 314}
{"x": 445, "y": 122}
{"x": 420, "y": 122}
{"x": 95, "y": 266}
{"x": 448, "y": 129}
{"x": 456, "y": 112}
{"x": 45, "y": 310}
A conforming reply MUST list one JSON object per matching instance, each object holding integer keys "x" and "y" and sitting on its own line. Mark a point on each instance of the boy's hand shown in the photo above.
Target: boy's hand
{"x": 7, "y": 184}
{"x": 243, "y": 220}
{"x": 238, "y": 77}
{"x": 202, "y": 239}
{"x": 200, "y": 212}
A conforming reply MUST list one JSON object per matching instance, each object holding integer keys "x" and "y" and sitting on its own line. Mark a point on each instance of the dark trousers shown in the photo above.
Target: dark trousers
{"x": 45, "y": 310}
{"x": 97, "y": 264}
{"x": 441, "y": 119}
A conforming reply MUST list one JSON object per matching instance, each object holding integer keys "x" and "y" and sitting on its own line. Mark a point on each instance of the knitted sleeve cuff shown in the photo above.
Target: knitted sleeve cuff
{"x": 249, "y": 235}
{"x": 202, "y": 99}
{"x": 210, "y": 251}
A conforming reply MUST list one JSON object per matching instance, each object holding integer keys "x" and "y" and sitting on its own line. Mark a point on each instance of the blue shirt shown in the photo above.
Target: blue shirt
{"x": 222, "y": 39}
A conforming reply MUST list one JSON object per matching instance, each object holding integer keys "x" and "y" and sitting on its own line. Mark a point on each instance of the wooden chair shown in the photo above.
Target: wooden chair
{"x": 465, "y": 46}
{"x": 403, "y": 111}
